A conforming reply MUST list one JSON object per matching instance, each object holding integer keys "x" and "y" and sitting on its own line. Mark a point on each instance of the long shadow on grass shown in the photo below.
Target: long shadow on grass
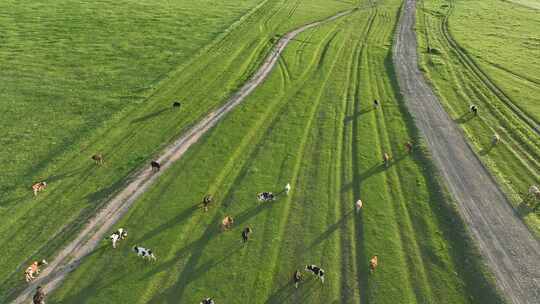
{"x": 359, "y": 177}
{"x": 351, "y": 118}
{"x": 184, "y": 215}
{"x": 287, "y": 291}
{"x": 192, "y": 270}
{"x": 151, "y": 115}
{"x": 465, "y": 117}
{"x": 325, "y": 235}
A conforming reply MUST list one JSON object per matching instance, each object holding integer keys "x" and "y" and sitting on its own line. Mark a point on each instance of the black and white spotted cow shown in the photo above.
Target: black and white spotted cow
{"x": 144, "y": 253}
{"x": 317, "y": 271}
{"x": 120, "y": 234}
{"x": 265, "y": 196}
{"x": 208, "y": 301}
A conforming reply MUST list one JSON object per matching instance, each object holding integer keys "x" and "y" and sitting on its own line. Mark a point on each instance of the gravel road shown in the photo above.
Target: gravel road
{"x": 510, "y": 250}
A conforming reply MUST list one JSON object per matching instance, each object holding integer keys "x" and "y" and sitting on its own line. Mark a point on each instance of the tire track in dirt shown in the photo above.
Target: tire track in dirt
{"x": 509, "y": 248}
{"x": 89, "y": 238}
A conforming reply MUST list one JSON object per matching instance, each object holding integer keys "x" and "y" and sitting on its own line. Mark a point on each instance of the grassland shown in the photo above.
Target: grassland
{"x": 311, "y": 124}
{"x": 82, "y": 77}
{"x": 496, "y": 68}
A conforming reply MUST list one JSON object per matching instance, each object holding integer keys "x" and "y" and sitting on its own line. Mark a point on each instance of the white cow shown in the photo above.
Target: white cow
{"x": 144, "y": 253}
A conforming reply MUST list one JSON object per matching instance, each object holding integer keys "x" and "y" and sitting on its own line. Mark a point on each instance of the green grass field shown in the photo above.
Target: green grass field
{"x": 311, "y": 124}
{"x": 84, "y": 77}
{"x": 501, "y": 50}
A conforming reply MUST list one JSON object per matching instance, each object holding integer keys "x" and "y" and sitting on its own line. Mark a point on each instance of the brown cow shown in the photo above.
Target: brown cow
{"x": 373, "y": 263}
{"x": 98, "y": 158}
{"x": 408, "y": 146}
{"x": 38, "y": 187}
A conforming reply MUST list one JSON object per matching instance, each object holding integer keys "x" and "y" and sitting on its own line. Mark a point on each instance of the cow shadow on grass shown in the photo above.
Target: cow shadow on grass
{"x": 331, "y": 229}
{"x": 184, "y": 215}
{"x": 64, "y": 175}
{"x": 151, "y": 115}
{"x": 355, "y": 115}
{"x": 487, "y": 149}
{"x": 289, "y": 294}
{"x": 465, "y": 117}
{"x": 376, "y": 169}
{"x": 192, "y": 270}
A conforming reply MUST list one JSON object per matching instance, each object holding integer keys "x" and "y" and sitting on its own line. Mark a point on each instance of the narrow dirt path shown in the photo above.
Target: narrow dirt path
{"x": 94, "y": 232}
{"x": 510, "y": 250}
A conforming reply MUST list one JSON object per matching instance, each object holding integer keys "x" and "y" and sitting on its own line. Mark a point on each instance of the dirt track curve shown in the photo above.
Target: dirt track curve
{"x": 94, "y": 232}
{"x": 509, "y": 248}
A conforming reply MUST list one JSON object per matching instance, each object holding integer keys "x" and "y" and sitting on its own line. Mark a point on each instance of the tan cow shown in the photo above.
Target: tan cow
{"x": 227, "y": 223}
{"x": 373, "y": 263}
{"x": 38, "y": 187}
{"x": 386, "y": 159}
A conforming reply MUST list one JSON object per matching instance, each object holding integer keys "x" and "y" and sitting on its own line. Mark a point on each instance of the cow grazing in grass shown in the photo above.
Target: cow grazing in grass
{"x": 98, "y": 159}
{"x": 534, "y": 191}
{"x": 265, "y": 196}
{"x": 208, "y": 301}
{"x": 226, "y": 223}
{"x": 155, "y": 166}
{"x": 245, "y": 234}
{"x": 408, "y": 147}
{"x": 33, "y": 270}
{"x": 375, "y": 103}
{"x": 38, "y": 187}
{"x": 206, "y": 202}
{"x": 144, "y": 253}
{"x": 120, "y": 234}
{"x": 373, "y": 263}
{"x": 496, "y": 139}
{"x": 176, "y": 104}
{"x": 533, "y": 196}
{"x": 317, "y": 271}
{"x": 287, "y": 188}
{"x": 473, "y": 109}
{"x": 386, "y": 159}
{"x": 359, "y": 205}
{"x": 297, "y": 278}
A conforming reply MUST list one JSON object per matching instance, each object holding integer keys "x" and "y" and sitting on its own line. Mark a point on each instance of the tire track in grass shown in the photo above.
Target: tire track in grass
{"x": 234, "y": 160}
{"x": 300, "y": 154}
{"x": 69, "y": 258}
{"x": 237, "y": 163}
{"x": 468, "y": 62}
{"x": 510, "y": 154}
{"x": 416, "y": 267}
{"x": 369, "y": 223}
{"x": 352, "y": 235}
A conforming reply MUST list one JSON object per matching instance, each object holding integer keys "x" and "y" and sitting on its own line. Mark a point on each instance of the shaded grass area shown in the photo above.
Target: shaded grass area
{"x": 128, "y": 120}
{"x": 457, "y": 75}
{"x": 311, "y": 124}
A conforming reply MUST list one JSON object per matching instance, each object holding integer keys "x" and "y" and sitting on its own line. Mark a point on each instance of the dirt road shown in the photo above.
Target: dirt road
{"x": 95, "y": 231}
{"x": 510, "y": 250}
